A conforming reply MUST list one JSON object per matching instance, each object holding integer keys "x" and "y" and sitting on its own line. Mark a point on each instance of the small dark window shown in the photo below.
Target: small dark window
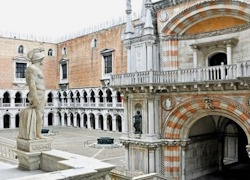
{"x": 50, "y": 52}
{"x": 108, "y": 63}
{"x": 64, "y": 71}
{"x": 20, "y": 70}
{"x": 20, "y": 49}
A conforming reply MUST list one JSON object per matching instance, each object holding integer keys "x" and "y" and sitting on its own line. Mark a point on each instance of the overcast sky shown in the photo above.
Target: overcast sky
{"x": 59, "y": 17}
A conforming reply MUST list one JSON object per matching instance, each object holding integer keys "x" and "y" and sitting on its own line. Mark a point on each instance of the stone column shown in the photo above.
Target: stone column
{"x": 12, "y": 101}
{"x": 229, "y": 53}
{"x": 45, "y": 120}
{"x": 149, "y": 55}
{"x": 55, "y": 119}
{"x": 68, "y": 120}
{"x": 74, "y": 120}
{"x": 114, "y": 99}
{"x": 97, "y": 100}
{"x": 1, "y": 122}
{"x": 195, "y": 56}
{"x": 12, "y": 122}
{"x": 114, "y": 124}
{"x": 151, "y": 117}
{"x": 125, "y": 117}
{"x": 96, "y": 123}
{"x": 81, "y": 121}
{"x": 88, "y": 121}
{"x": 151, "y": 162}
{"x": 105, "y": 123}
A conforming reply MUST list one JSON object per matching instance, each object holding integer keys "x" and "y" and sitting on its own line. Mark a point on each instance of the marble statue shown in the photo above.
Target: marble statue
{"x": 137, "y": 123}
{"x": 31, "y": 117}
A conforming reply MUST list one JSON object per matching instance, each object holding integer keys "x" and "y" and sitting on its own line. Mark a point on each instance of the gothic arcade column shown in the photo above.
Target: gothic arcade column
{"x": 195, "y": 56}
{"x": 12, "y": 122}
{"x": 45, "y": 120}
{"x": 88, "y": 121}
{"x": 105, "y": 123}
{"x": 114, "y": 127}
{"x": 97, "y": 123}
{"x": 125, "y": 118}
{"x": 74, "y": 120}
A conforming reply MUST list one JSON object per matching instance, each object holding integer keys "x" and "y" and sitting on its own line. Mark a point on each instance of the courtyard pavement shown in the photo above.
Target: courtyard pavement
{"x": 73, "y": 140}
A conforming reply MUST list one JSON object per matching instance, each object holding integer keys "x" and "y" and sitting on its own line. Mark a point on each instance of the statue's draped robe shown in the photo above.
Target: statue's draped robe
{"x": 27, "y": 126}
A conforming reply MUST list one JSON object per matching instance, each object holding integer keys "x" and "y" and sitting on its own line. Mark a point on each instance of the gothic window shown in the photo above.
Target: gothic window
{"x": 6, "y": 97}
{"x": 20, "y": 49}
{"x": 20, "y": 70}
{"x": 50, "y": 52}
{"x": 64, "y": 51}
{"x": 107, "y": 64}
{"x": 64, "y": 71}
{"x": 50, "y": 98}
{"x": 109, "y": 95}
{"x": 94, "y": 43}
{"x": 18, "y": 98}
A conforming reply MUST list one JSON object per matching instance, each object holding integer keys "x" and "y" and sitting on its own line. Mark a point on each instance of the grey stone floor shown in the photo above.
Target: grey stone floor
{"x": 77, "y": 141}
{"x": 73, "y": 140}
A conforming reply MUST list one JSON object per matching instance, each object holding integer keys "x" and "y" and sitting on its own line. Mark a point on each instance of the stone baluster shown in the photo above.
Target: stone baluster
{"x": 222, "y": 70}
{"x": 239, "y": 69}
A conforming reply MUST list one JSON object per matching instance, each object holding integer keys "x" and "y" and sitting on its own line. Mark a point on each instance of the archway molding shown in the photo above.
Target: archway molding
{"x": 179, "y": 122}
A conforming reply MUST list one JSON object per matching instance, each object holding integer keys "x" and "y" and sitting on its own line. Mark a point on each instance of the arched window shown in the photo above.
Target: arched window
{"x": 118, "y": 96}
{"x": 50, "y": 119}
{"x": 18, "y": 98}
{"x": 109, "y": 95}
{"x": 100, "y": 96}
{"x": 65, "y": 97}
{"x": 72, "y": 97}
{"x": 94, "y": 43}
{"x": 64, "y": 51}
{"x": 20, "y": 49}
{"x": 50, "y": 98}
{"x": 6, "y": 97}
{"x": 92, "y": 97}
{"x": 50, "y": 52}
{"x": 71, "y": 120}
{"x": 65, "y": 119}
{"x": 27, "y": 98}
{"x": 78, "y": 99}
{"x": 85, "y": 96}
{"x": 59, "y": 96}
{"x": 6, "y": 121}
{"x": 17, "y": 120}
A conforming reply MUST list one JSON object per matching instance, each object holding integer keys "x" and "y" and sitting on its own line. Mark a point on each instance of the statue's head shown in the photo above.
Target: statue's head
{"x": 36, "y": 55}
{"x": 138, "y": 112}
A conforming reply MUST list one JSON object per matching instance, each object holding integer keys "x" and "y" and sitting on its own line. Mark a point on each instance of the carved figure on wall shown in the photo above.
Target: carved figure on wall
{"x": 137, "y": 123}
{"x": 31, "y": 117}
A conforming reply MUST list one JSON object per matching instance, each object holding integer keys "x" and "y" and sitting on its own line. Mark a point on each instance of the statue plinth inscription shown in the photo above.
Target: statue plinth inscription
{"x": 34, "y": 145}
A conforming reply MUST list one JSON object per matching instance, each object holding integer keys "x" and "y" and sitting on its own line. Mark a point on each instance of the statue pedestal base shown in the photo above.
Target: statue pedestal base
{"x": 28, "y": 161}
{"x": 29, "y": 152}
{"x": 34, "y": 145}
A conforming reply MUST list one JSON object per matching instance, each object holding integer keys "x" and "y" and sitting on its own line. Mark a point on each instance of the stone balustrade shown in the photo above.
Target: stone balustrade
{"x": 7, "y": 153}
{"x": 212, "y": 73}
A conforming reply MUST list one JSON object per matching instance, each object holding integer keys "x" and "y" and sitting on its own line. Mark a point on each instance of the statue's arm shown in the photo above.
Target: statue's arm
{"x": 31, "y": 82}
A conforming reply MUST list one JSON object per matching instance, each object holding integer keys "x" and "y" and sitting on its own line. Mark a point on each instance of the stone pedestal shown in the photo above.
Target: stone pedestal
{"x": 29, "y": 152}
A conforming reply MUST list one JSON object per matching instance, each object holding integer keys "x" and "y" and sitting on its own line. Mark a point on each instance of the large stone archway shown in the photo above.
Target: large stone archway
{"x": 177, "y": 127}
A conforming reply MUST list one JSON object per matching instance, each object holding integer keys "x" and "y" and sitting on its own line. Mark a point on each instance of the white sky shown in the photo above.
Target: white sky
{"x": 55, "y": 18}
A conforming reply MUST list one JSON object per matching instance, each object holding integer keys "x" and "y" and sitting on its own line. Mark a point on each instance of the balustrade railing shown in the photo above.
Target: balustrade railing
{"x": 6, "y": 104}
{"x": 18, "y": 104}
{"x": 7, "y": 153}
{"x": 109, "y": 104}
{"x": 213, "y": 73}
{"x": 50, "y": 104}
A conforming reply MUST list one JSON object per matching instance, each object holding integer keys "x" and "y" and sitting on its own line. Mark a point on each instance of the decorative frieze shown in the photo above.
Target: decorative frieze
{"x": 157, "y": 143}
{"x": 38, "y": 145}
